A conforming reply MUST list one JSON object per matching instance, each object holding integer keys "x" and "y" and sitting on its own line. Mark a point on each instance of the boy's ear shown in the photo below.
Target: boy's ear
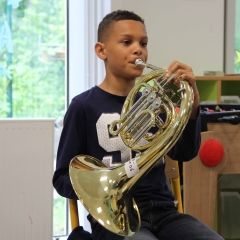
{"x": 100, "y": 50}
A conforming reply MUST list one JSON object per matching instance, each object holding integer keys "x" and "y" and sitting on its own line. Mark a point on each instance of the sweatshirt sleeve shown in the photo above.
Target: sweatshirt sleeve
{"x": 72, "y": 143}
{"x": 187, "y": 146}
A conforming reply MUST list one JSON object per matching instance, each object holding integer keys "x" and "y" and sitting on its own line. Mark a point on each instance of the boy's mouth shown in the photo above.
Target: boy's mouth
{"x": 137, "y": 66}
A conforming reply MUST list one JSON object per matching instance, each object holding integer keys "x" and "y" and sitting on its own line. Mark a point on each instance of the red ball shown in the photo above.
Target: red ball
{"x": 211, "y": 152}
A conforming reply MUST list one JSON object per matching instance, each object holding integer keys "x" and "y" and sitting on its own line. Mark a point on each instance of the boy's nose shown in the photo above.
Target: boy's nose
{"x": 137, "y": 49}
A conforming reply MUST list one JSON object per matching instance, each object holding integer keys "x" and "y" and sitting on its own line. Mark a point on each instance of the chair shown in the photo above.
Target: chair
{"x": 172, "y": 173}
{"x": 73, "y": 213}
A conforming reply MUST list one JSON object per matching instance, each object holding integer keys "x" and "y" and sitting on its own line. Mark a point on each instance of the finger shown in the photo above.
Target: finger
{"x": 172, "y": 64}
{"x": 189, "y": 77}
{"x": 186, "y": 76}
{"x": 175, "y": 66}
{"x": 180, "y": 72}
{"x": 169, "y": 71}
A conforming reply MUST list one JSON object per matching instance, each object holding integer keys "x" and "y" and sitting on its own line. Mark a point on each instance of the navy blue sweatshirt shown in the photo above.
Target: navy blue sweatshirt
{"x": 85, "y": 131}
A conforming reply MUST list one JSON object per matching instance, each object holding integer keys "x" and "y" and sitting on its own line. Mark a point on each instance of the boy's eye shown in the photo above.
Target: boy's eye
{"x": 126, "y": 42}
{"x": 143, "y": 44}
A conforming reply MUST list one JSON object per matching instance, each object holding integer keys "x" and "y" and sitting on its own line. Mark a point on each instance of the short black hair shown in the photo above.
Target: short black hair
{"x": 109, "y": 19}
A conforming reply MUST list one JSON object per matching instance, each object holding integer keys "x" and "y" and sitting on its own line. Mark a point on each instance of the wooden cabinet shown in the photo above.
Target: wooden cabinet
{"x": 211, "y": 88}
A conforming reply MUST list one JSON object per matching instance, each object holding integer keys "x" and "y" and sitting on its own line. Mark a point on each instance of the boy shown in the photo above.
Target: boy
{"x": 122, "y": 38}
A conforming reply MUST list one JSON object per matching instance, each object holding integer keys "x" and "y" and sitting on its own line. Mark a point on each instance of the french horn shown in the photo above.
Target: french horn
{"x": 105, "y": 192}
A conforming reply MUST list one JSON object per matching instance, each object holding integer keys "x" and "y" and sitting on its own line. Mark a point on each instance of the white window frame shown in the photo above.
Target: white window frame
{"x": 229, "y": 35}
{"x": 83, "y": 69}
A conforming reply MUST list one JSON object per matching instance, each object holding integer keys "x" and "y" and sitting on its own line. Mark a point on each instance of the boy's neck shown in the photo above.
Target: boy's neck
{"x": 117, "y": 87}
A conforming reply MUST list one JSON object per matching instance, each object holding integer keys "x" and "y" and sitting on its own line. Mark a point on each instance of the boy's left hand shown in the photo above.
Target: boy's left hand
{"x": 183, "y": 70}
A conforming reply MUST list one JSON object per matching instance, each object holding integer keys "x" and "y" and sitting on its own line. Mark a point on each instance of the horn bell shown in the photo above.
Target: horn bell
{"x": 105, "y": 194}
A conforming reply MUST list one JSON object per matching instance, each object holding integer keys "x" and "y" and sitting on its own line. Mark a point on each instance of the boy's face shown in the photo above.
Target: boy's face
{"x": 127, "y": 41}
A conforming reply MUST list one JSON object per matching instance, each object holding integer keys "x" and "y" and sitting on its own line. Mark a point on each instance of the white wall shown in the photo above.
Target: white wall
{"x": 190, "y": 31}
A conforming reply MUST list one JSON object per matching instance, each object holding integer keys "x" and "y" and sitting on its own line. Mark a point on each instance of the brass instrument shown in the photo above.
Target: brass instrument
{"x": 106, "y": 193}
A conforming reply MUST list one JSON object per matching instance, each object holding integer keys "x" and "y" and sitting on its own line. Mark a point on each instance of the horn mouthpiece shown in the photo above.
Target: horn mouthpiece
{"x": 139, "y": 62}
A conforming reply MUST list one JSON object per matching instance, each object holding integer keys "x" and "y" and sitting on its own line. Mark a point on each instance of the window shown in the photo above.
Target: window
{"x": 232, "y": 37}
{"x": 32, "y": 69}
{"x": 237, "y": 39}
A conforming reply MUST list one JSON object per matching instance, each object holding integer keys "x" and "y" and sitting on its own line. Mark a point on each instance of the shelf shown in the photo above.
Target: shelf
{"x": 218, "y": 78}
{"x": 211, "y": 88}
